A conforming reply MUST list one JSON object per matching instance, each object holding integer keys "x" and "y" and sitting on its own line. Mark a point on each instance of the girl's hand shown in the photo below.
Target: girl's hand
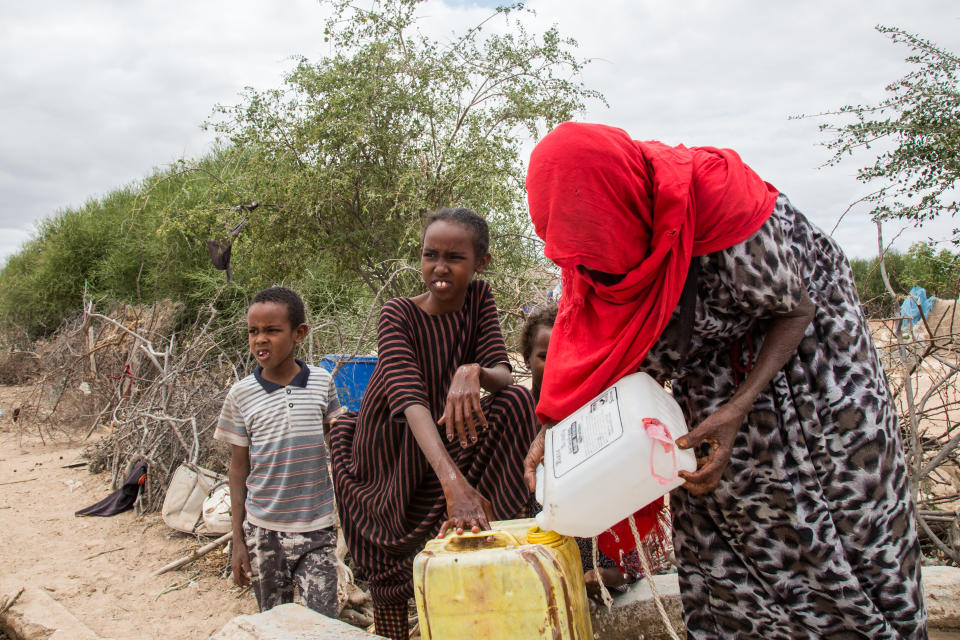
{"x": 534, "y": 458}
{"x": 463, "y": 413}
{"x": 466, "y": 509}
{"x": 610, "y": 577}
{"x": 719, "y": 430}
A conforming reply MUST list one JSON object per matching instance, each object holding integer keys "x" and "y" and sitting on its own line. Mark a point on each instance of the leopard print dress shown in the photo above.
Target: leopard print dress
{"x": 811, "y": 532}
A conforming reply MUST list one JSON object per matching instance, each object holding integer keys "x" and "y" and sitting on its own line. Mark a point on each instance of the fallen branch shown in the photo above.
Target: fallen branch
{"x": 18, "y": 481}
{"x": 9, "y": 603}
{"x": 177, "y": 587}
{"x": 96, "y": 421}
{"x": 943, "y": 547}
{"x": 103, "y": 553}
{"x": 199, "y": 553}
{"x": 145, "y": 344}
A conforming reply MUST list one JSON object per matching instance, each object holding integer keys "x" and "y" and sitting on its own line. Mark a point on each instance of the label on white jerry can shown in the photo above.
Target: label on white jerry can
{"x": 593, "y": 428}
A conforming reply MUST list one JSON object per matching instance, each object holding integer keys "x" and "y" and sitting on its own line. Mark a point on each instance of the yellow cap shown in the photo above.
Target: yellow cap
{"x": 536, "y": 535}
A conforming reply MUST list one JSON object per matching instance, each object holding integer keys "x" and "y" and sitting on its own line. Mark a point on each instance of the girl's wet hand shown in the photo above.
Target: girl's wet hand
{"x": 467, "y": 509}
{"x": 719, "y": 430}
{"x": 534, "y": 458}
{"x": 463, "y": 414}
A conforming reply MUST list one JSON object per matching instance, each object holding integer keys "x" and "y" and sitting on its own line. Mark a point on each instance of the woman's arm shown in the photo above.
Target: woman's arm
{"x": 466, "y": 507}
{"x": 720, "y": 428}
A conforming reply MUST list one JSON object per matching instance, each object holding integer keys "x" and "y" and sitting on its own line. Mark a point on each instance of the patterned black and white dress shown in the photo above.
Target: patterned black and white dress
{"x": 811, "y": 532}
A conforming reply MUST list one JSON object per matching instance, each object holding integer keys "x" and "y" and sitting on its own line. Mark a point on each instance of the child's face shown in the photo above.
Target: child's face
{"x": 538, "y": 356}
{"x": 448, "y": 262}
{"x": 272, "y": 340}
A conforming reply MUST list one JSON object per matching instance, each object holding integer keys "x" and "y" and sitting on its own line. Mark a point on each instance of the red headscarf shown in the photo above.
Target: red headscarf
{"x": 642, "y": 210}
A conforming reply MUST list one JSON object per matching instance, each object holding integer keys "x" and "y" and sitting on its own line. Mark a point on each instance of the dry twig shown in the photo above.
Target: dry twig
{"x": 921, "y": 364}
{"x": 103, "y": 553}
{"x": 9, "y": 602}
{"x": 199, "y": 553}
{"x": 18, "y": 481}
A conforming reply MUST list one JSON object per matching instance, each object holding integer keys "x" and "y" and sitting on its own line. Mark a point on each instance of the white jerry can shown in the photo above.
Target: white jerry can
{"x": 611, "y": 457}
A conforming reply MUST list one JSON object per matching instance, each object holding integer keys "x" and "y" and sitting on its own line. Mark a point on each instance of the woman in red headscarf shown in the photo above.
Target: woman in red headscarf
{"x": 681, "y": 262}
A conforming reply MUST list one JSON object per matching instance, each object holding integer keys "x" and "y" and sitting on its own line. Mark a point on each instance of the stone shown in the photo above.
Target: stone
{"x": 289, "y": 622}
{"x": 37, "y": 615}
{"x": 941, "y": 590}
{"x": 634, "y": 614}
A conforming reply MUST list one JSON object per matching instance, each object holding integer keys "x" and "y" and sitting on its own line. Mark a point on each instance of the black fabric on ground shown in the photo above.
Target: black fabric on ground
{"x": 123, "y": 498}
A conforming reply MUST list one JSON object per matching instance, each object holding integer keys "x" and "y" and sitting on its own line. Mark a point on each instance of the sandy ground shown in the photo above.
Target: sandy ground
{"x": 113, "y": 593}
{"x": 99, "y": 568}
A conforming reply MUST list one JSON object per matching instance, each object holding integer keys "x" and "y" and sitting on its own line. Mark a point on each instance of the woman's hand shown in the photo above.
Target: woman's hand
{"x": 719, "y": 430}
{"x": 466, "y": 509}
{"x": 463, "y": 413}
{"x": 534, "y": 458}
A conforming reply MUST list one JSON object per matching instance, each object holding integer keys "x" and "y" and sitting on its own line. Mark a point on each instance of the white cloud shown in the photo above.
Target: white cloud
{"x": 98, "y": 93}
{"x": 11, "y": 239}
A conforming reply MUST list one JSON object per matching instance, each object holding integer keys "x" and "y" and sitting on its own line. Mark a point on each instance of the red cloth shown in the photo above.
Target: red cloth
{"x": 641, "y": 210}
{"x": 618, "y": 541}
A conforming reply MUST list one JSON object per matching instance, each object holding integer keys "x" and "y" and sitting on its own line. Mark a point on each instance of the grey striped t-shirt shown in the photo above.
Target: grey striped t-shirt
{"x": 289, "y": 486}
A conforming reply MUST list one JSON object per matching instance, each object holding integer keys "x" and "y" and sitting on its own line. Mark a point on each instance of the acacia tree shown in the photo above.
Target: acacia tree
{"x": 353, "y": 150}
{"x": 918, "y": 126}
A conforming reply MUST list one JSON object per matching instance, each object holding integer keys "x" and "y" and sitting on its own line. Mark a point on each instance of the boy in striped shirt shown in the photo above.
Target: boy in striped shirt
{"x": 281, "y": 496}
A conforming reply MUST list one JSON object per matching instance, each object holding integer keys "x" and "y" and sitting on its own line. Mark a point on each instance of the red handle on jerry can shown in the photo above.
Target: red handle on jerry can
{"x": 657, "y": 431}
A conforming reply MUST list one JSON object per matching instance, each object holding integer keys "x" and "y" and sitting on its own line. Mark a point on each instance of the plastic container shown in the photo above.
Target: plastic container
{"x": 611, "y": 457}
{"x": 525, "y": 583}
{"x": 352, "y": 379}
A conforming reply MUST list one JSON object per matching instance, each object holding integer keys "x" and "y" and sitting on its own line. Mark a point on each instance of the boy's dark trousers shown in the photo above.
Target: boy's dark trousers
{"x": 280, "y": 560}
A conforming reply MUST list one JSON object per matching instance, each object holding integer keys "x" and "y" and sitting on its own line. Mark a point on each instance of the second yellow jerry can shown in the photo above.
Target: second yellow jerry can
{"x": 524, "y": 584}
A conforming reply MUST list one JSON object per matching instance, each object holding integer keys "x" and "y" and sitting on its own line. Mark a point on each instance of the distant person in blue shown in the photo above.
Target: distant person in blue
{"x": 915, "y": 308}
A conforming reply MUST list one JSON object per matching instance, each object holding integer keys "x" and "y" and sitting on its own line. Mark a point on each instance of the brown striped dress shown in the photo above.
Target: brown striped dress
{"x": 389, "y": 498}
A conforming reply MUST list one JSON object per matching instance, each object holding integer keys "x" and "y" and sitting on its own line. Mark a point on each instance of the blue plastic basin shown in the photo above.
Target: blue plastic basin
{"x": 352, "y": 379}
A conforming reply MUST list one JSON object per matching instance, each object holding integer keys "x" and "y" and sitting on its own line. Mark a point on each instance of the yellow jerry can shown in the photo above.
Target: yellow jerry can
{"x": 524, "y": 584}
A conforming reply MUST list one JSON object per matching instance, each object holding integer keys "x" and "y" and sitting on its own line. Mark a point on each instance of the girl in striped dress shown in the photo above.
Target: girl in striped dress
{"x": 426, "y": 452}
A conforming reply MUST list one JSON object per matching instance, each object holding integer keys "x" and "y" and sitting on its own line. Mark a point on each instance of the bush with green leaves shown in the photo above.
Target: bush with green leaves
{"x": 343, "y": 162}
{"x": 109, "y": 248}
{"x": 915, "y": 130}
{"x": 347, "y": 158}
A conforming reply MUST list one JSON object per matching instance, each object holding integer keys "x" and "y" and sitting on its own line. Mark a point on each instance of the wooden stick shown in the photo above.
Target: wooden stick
{"x": 104, "y": 553}
{"x": 202, "y": 551}
{"x": 9, "y": 603}
{"x": 18, "y": 481}
{"x": 96, "y": 421}
{"x": 177, "y": 587}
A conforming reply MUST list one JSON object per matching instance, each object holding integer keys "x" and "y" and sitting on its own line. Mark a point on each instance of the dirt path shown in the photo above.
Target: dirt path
{"x": 113, "y": 593}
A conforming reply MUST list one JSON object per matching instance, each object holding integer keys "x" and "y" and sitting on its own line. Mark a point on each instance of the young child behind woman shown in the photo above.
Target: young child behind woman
{"x": 534, "y": 342}
{"x": 426, "y": 452}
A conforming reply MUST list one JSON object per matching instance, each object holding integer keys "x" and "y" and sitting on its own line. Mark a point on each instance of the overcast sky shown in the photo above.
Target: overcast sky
{"x": 98, "y": 93}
